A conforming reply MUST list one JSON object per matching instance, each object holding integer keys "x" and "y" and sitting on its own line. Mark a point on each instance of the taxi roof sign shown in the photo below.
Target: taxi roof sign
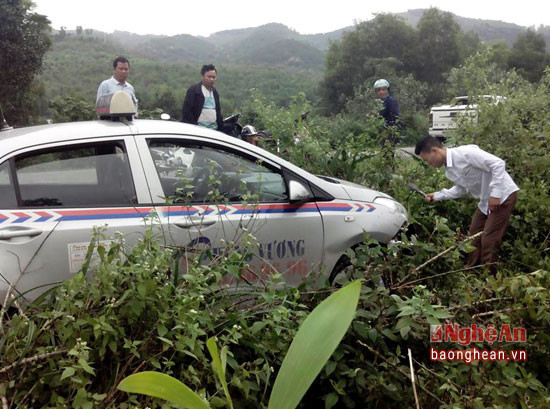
{"x": 119, "y": 104}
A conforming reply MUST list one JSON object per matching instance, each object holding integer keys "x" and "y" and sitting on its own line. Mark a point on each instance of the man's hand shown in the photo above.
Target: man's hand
{"x": 494, "y": 203}
{"x": 429, "y": 198}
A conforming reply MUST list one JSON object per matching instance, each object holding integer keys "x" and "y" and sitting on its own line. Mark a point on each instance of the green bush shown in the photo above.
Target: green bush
{"x": 137, "y": 312}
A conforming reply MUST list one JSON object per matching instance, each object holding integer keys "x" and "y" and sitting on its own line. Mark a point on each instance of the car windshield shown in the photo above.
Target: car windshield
{"x": 459, "y": 101}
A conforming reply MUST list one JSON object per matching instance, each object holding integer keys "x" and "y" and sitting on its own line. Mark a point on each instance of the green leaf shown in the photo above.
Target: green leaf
{"x": 314, "y": 343}
{"x": 330, "y": 400}
{"x": 373, "y": 334}
{"x": 257, "y": 326}
{"x": 219, "y": 367}
{"x": 166, "y": 341}
{"x": 218, "y": 402}
{"x": 162, "y": 386}
{"x": 330, "y": 367}
{"x": 361, "y": 329}
{"x": 68, "y": 372}
{"x": 142, "y": 289}
{"x": 162, "y": 330}
{"x": 406, "y": 311}
{"x": 403, "y": 322}
{"x": 387, "y": 332}
{"x": 442, "y": 314}
{"x": 99, "y": 397}
{"x": 84, "y": 364}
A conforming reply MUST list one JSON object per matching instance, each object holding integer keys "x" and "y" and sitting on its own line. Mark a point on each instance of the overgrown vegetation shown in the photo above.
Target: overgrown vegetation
{"x": 137, "y": 313}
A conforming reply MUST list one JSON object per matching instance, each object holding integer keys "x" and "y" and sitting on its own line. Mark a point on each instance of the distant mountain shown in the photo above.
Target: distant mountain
{"x": 289, "y": 52}
{"x": 322, "y": 41}
{"x": 270, "y": 44}
{"x": 183, "y": 47}
{"x": 275, "y": 44}
{"x": 132, "y": 39}
{"x": 488, "y": 30}
{"x": 263, "y": 33}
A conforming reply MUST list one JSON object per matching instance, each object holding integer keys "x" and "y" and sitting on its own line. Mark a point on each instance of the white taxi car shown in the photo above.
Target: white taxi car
{"x": 57, "y": 182}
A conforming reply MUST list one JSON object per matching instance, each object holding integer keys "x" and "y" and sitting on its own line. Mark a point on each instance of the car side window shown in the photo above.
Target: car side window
{"x": 7, "y": 191}
{"x": 76, "y": 176}
{"x": 206, "y": 174}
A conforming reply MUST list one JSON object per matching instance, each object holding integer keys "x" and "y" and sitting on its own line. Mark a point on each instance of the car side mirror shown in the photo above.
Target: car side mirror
{"x": 298, "y": 192}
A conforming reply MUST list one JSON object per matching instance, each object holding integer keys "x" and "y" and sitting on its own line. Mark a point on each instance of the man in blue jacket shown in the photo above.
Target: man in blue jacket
{"x": 390, "y": 112}
{"x": 202, "y": 102}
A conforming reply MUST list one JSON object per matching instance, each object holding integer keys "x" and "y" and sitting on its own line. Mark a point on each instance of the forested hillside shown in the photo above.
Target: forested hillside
{"x": 234, "y": 45}
{"x": 276, "y": 61}
{"x": 75, "y": 66}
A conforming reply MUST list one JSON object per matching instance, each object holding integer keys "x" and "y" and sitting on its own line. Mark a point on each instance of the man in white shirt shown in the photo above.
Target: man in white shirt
{"x": 118, "y": 82}
{"x": 484, "y": 176}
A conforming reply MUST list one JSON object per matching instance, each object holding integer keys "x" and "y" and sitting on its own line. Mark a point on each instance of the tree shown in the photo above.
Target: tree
{"x": 380, "y": 47}
{"x": 438, "y": 49}
{"x": 166, "y": 100}
{"x": 469, "y": 43}
{"x": 528, "y": 55}
{"x": 24, "y": 40}
{"x": 500, "y": 54}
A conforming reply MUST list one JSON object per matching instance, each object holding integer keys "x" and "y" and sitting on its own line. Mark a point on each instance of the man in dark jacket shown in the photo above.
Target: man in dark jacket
{"x": 390, "y": 112}
{"x": 202, "y": 102}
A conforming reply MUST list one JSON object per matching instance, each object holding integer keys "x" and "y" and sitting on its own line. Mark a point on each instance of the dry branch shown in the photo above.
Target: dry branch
{"x": 32, "y": 359}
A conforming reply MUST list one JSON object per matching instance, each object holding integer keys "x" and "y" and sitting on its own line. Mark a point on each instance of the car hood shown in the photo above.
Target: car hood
{"x": 353, "y": 191}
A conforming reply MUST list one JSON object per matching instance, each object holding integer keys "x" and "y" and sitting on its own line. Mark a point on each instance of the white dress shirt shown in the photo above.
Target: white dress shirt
{"x": 477, "y": 172}
{"x": 111, "y": 85}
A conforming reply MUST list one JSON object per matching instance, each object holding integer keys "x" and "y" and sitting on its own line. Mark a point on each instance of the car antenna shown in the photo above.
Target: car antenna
{"x": 5, "y": 126}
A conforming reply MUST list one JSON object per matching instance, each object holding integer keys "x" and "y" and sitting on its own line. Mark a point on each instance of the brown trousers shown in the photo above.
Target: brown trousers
{"x": 493, "y": 226}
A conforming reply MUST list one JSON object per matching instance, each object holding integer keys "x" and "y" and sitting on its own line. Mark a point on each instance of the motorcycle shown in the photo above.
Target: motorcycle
{"x": 247, "y": 133}
{"x": 231, "y": 125}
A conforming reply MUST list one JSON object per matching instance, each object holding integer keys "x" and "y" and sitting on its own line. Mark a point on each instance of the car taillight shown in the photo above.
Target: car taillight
{"x": 431, "y": 120}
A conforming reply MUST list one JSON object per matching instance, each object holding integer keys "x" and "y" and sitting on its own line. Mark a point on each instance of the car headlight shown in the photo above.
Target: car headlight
{"x": 391, "y": 204}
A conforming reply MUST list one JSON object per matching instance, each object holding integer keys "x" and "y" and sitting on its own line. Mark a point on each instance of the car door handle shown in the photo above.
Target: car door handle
{"x": 10, "y": 234}
{"x": 196, "y": 222}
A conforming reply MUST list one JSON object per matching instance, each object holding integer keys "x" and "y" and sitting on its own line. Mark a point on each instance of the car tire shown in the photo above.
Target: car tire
{"x": 344, "y": 269}
{"x": 341, "y": 268}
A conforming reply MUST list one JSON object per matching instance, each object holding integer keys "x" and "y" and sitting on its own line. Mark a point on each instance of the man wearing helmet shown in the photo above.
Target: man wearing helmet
{"x": 250, "y": 135}
{"x": 390, "y": 112}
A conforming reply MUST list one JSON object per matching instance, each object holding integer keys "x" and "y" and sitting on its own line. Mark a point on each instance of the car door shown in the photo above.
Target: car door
{"x": 218, "y": 196}
{"x": 53, "y": 196}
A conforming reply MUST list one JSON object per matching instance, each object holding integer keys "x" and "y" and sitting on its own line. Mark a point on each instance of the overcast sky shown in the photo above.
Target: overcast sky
{"x": 205, "y": 17}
